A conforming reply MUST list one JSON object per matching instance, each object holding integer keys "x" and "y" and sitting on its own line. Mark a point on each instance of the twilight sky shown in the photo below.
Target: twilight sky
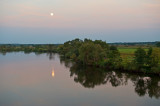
{"x": 29, "y": 21}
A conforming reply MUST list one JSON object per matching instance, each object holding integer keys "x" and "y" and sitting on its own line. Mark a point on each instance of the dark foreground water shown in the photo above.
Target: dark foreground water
{"x": 46, "y": 80}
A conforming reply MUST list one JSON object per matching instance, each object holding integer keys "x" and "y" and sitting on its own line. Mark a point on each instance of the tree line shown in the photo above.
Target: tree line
{"x": 27, "y": 48}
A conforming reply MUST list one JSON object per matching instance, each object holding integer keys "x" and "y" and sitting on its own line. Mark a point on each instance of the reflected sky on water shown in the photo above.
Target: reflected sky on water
{"x": 47, "y": 79}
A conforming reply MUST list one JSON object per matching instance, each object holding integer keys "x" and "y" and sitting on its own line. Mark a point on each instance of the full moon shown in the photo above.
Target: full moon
{"x": 51, "y": 14}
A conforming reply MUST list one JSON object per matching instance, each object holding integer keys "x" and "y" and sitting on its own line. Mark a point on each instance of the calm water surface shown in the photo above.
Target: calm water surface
{"x": 48, "y": 80}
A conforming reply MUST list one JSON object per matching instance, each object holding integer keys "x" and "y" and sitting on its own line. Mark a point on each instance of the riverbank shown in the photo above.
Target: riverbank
{"x": 137, "y": 59}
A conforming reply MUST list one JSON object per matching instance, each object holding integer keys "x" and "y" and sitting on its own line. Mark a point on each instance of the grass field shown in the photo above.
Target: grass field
{"x": 127, "y": 53}
{"x": 129, "y": 50}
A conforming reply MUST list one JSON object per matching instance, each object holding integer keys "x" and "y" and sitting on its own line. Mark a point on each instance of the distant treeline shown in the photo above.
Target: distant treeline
{"x": 135, "y": 43}
{"x": 28, "y": 47}
{"x": 156, "y": 43}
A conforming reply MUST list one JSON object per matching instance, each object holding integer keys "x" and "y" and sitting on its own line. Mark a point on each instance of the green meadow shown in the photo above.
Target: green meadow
{"x": 127, "y": 53}
{"x": 129, "y": 50}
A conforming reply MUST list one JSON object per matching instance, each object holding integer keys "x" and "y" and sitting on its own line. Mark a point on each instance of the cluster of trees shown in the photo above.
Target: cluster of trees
{"x": 145, "y": 61}
{"x": 99, "y": 53}
{"x": 149, "y": 58}
{"x": 88, "y": 52}
{"x": 158, "y": 44}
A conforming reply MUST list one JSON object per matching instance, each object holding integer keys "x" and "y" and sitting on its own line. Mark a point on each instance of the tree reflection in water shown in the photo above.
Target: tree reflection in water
{"x": 51, "y": 55}
{"x": 67, "y": 63}
{"x": 90, "y": 77}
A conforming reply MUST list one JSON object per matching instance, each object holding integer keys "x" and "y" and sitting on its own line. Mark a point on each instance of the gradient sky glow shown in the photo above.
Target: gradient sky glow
{"x": 29, "y": 21}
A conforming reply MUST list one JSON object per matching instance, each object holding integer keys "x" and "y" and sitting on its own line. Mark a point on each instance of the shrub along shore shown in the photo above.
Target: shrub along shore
{"x": 98, "y": 53}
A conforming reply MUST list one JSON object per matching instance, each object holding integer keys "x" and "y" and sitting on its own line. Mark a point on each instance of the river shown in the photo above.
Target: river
{"x": 46, "y": 79}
